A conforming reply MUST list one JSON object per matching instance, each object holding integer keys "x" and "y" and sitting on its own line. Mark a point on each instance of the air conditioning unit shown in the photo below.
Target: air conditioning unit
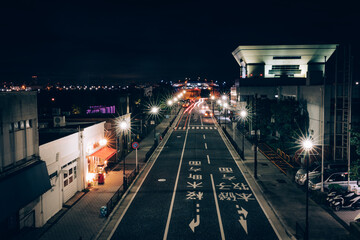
{"x": 59, "y": 121}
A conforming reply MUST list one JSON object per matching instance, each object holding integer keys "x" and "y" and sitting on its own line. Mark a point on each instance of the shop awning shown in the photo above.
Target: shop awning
{"x": 22, "y": 186}
{"x": 104, "y": 153}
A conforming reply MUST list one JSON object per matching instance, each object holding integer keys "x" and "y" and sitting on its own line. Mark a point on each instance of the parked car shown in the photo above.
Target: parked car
{"x": 315, "y": 171}
{"x": 339, "y": 178}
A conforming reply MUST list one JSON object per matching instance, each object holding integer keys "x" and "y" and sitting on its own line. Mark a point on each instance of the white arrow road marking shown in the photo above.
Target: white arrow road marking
{"x": 243, "y": 223}
{"x": 243, "y": 212}
{"x": 194, "y": 224}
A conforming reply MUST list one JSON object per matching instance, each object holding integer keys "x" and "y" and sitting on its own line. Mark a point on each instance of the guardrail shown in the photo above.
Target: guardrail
{"x": 119, "y": 193}
{"x": 237, "y": 149}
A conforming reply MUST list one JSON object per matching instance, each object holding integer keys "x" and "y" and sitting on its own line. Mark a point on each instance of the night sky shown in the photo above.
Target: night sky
{"x": 104, "y": 42}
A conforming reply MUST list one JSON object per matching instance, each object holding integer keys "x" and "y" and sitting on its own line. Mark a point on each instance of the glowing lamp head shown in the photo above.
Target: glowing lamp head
{"x": 307, "y": 144}
{"x": 155, "y": 110}
{"x": 184, "y": 92}
{"x": 243, "y": 114}
{"x": 219, "y": 101}
{"x": 223, "y": 97}
{"x": 212, "y": 97}
{"x": 169, "y": 103}
{"x": 123, "y": 125}
{"x": 103, "y": 142}
{"x": 226, "y": 105}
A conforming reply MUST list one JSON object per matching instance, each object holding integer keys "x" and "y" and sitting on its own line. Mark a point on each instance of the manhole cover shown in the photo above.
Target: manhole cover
{"x": 161, "y": 180}
{"x": 280, "y": 181}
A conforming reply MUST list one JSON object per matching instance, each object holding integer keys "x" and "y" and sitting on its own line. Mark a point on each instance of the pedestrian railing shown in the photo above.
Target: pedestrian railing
{"x": 119, "y": 193}
{"x": 237, "y": 149}
{"x": 300, "y": 233}
{"x": 114, "y": 200}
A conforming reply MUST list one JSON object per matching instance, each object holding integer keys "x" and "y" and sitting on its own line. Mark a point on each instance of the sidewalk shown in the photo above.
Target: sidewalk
{"x": 286, "y": 199}
{"x": 80, "y": 217}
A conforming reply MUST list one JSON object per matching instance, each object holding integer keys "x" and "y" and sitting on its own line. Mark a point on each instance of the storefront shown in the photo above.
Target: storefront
{"x": 97, "y": 162}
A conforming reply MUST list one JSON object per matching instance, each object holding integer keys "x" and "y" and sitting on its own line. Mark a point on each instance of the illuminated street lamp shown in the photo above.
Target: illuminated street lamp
{"x": 307, "y": 146}
{"x": 123, "y": 128}
{"x": 243, "y": 115}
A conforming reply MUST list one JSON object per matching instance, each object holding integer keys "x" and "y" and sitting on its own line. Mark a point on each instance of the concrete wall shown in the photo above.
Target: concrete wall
{"x": 18, "y": 144}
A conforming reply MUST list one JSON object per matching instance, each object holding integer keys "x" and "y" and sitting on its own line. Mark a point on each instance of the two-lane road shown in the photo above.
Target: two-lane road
{"x": 195, "y": 190}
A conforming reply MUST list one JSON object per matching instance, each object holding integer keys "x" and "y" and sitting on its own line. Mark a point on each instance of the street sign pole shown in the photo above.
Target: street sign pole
{"x": 136, "y": 161}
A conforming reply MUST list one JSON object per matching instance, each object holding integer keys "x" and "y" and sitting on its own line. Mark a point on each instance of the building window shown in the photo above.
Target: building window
{"x": 22, "y": 124}
{"x": 75, "y": 172}
{"x": 66, "y": 182}
{"x": 29, "y": 123}
{"x": 16, "y": 126}
{"x": 286, "y": 57}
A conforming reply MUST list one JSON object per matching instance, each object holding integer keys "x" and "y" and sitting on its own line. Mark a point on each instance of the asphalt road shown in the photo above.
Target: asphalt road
{"x": 195, "y": 190}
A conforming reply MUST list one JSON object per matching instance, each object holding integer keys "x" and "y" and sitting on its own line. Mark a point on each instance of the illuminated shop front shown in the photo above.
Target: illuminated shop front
{"x": 97, "y": 162}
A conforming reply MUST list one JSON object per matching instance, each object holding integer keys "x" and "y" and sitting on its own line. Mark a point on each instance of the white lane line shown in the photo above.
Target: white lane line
{"x": 217, "y": 208}
{"x": 175, "y": 187}
{"x": 204, "y": 136}
{"x": 205, "y": 146}
{"x": 208, "y": 158}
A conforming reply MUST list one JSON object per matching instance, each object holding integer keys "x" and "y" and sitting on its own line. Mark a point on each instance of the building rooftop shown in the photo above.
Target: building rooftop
{"x": 47, "y": 135}
{"x": 284, "y": 54}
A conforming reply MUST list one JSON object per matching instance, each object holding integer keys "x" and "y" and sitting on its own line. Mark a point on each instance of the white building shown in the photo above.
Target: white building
{"x": 72, "y": 154}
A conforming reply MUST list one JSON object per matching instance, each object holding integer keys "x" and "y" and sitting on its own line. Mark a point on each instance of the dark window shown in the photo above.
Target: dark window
{"x": 65, "y": 175}
{"x": 70, "y": 179}
{"x": 70, "y": 171}
{"x": 66, "y": 183}
{"x": 74, "y": 172}
{"x": 286, "y": 57}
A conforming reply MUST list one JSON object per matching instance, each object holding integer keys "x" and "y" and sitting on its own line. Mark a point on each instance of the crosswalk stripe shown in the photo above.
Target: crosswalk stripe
{"x": 202, "y": 127}
{"x": 206, "y": 127}
{"x": 193, "y": 127}
{"x": 197, "y": 127}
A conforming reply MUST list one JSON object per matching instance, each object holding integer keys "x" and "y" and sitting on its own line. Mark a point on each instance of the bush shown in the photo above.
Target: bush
{"x": 319, "y": 197}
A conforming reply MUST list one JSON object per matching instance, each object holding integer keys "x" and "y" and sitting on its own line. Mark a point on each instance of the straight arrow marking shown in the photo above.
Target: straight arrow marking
{"x": 243, "y": 223}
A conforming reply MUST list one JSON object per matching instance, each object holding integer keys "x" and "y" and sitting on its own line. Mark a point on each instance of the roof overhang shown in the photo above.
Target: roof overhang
{"x": 284, "y": 54}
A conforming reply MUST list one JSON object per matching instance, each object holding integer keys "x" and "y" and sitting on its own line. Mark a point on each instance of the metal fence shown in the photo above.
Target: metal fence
{"x": 119, "y": 193}
{"x": 238, "y": 150}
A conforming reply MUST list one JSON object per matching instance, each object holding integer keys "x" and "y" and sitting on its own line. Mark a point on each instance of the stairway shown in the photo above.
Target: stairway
{"x": 273, "y": 157}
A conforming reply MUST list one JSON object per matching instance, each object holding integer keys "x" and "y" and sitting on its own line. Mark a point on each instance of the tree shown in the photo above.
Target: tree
{"x": 355, "y": 143}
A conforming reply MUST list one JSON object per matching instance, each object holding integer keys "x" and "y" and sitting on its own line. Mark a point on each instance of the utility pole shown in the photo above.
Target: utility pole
{"x": 256, "y": 138}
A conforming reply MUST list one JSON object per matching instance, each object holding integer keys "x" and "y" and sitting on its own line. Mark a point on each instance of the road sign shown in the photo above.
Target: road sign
{"x": 135, "y": 145}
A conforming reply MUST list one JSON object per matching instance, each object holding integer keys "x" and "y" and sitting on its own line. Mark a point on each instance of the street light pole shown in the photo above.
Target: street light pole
{"x": 307, "y": 200}
{"x": 124, "y": 174}
{"x": 256, "y": 139}
{"x": 307, "y": 145}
